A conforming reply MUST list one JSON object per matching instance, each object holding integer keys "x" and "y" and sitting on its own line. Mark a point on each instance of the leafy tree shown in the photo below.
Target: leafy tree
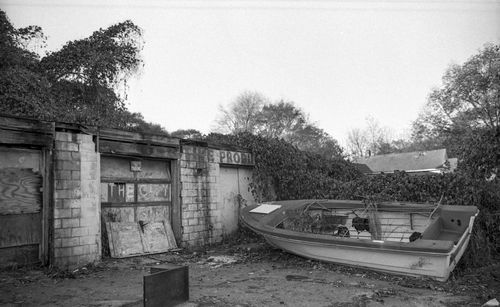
{"x": 192, "y": 134}
{"x": 313, "y": 139}
{"x": 23, "y": 89}
{"x": 280, "y": 120}
{"x": 465, "y": 110}
{"x": 468, "y": 99}
{"x": 93, "y": 69}
{"x": 80, "y": 83}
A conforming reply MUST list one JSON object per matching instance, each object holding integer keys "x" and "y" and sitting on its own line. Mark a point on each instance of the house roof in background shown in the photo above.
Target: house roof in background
{"x": 362, "y": 168}
{"x": 408, "y": 161}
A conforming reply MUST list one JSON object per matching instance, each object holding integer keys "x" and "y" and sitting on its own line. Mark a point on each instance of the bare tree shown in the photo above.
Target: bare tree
{"x": 242, "y": 114}
{"x": 357, "y": 144}
{"x": 373, "y": 139}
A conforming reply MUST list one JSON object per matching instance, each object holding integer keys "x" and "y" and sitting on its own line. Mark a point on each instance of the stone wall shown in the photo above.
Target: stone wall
{"x": 76, "y": 216}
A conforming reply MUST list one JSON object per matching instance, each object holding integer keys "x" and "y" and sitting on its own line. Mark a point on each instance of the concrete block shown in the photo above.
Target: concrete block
{"x": 70, "y": 223}
{"x": 72, "y": 203}
{"x": 67, "y": 165}
{"x": 63, "y": 174}
{"x": 68, "y": 194}
{"x": 62, "y": 213}
{"x": 75, "y": 155}
{"x": 57, "y": 242}
{"x": 192, "y": 222}
{"x": 188, "y": 214}
{"x": 63, "y": 155}
{"x": 199, "y": 228}
{"x": 64, "y": 136}
{"x": 68, "y": 242}
{"x": 89, "y": 156}
{"x": 88, "y": 221}
{"x": 76, "y": 212}
{"x": 187, "y": 149}
{"x": 57, "y": 223}
{"x": 79, "y": 231}
{"x": 59, "y": 203}
{"x": 87, "y": 147}
{"x": 89, "y": 175}
{"x": 199, "y": 214}
{"x": 62, "y": 252}
{"x": 84, "y": 138}
{"x": 75, "y": 175}
{"x": 188, "y": 229}
{"x": 66, "y": 146}
{"x": 87, "y": 240}
{"x": 67, "y": 184}
{"x": 62, "y": 233}
{"x": 78, "y": 250}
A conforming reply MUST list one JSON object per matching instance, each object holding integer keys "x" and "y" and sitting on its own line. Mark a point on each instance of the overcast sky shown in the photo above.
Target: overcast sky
{"x": 340, "y": 61}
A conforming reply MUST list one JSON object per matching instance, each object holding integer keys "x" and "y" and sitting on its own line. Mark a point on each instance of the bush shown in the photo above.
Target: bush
{"x": 451, "y": 189}
{"x": 283, "y": 172}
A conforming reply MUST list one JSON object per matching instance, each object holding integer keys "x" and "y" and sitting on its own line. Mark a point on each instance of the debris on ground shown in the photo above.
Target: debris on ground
{"x": 218, "y": 261}
{"x": 491, "y": 303}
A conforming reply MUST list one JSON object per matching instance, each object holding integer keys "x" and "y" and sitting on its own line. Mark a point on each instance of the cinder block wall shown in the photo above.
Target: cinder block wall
{"x": 199, "y": 173}
{"x": 77, "y": 227}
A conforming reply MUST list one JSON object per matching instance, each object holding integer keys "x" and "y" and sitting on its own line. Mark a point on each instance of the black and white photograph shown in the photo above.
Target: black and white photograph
{"x": 198, "y": 153}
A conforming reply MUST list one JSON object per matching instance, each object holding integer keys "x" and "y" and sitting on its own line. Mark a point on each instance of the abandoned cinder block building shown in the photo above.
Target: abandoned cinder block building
{"x": 68, "y": 192}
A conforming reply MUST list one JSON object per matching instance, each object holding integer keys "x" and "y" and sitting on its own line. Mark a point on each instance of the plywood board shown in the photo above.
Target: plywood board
{"x": 150, "y": 192}
{"x": 132, "y": 239}
{"x": 124, "y": 239}
{"x": 157, "y": 239}
{"x": 19, "y": 255}
{"x": 152, "y": 213}
{"x": 118, "y": 214}
{"x": 20, "y": 191}
{"x": 20, "y": 158}
{"x": 20, "y": 229}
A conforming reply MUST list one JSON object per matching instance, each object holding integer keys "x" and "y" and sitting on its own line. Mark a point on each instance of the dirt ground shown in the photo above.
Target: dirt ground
{"x": 251, "y": 274}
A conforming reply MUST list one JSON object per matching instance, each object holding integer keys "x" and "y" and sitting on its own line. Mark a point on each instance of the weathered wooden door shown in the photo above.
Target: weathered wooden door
{"x": 233, "y": 192}
{"x": 21, "y": 181}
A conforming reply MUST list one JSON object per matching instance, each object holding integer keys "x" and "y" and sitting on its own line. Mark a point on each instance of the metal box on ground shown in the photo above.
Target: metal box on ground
{"x": 167, "y": 285}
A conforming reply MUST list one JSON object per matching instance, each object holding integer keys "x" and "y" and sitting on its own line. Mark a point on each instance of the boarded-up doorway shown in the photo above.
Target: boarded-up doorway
{"x": 21, "y": 182}
{"x": 234, "y": 192}
{"x": 136, "y": 200}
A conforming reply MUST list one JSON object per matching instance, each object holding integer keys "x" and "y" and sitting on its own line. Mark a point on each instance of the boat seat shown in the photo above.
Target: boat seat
{"x": 441, "y": 231}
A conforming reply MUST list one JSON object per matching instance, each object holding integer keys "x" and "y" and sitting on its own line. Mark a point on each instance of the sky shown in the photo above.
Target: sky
{"x": 339, "y": 61}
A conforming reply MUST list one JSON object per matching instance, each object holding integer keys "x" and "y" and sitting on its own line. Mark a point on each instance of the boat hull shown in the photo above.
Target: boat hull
{"x": 436, "y": 266}
{"x": 396, "y": 258}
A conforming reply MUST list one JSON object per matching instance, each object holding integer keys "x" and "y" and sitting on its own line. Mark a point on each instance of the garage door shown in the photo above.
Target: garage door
{"x": 136, "y": 200}
{"x": 21, "y": 182}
